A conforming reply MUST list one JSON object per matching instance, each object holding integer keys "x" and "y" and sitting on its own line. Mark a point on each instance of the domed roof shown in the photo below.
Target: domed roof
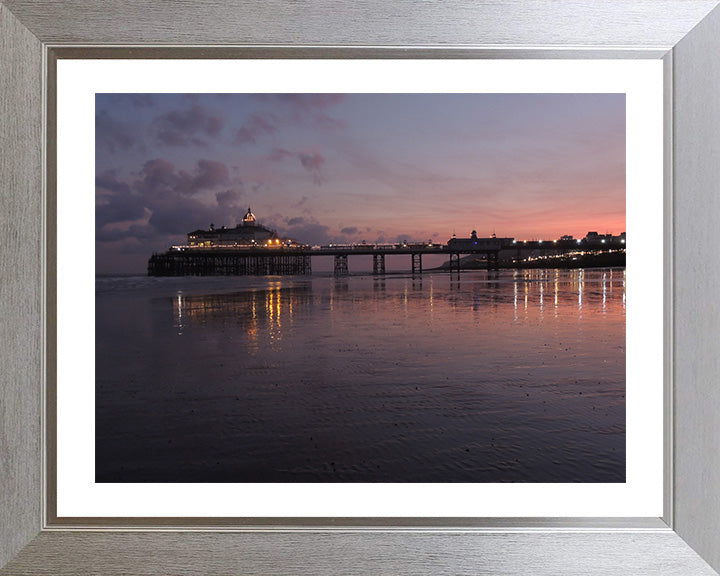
{"x": 249, "y": 218}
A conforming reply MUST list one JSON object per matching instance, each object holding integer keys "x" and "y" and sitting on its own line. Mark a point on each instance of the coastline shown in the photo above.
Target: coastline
{"x": 601, "y": 260}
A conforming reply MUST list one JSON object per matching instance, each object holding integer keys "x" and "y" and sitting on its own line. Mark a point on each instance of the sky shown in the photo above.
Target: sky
{"x": 327, "y": 168}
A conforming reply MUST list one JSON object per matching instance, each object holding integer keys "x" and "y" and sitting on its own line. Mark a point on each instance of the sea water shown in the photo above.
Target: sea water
{"x": 509, "y": 376}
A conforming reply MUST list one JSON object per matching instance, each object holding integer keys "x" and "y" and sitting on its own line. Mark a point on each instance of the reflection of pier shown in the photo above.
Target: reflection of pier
{"x": 253, "y": 309}
{"x": 288, "y": 260}
{"x": 524, "y": 294}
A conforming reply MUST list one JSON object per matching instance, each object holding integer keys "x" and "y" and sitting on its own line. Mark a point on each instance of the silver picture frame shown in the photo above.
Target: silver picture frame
{"x": 685, "y": 34}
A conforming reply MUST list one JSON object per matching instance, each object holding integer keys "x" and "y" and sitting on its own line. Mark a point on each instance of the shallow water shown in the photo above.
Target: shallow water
{"x": 510, "y": 376}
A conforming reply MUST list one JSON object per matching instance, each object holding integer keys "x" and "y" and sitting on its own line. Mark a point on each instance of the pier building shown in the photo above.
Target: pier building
{"x": 247, "y": 233}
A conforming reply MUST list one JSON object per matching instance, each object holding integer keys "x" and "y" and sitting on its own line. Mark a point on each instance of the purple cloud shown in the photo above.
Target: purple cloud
{"x": 160, "y": 175}
{"x": 301, "y": 202}
{"x": 142, "y": 100}
{"x": 228, "y": 198}
{"x": 166, "y": 198}
{"x": 136, "y": 232}
{"x": 206, "y": 176}
{"x": 178, "y": 216}
{"x": 256, "y": 126}
{"x": 115, "y": 201}
{"x": 312, "y": 162}
{"x": 306, "y": 101}
{"x": 305, "y": 108}
{"x": 184, "y": 127}
{"x": 112, "y": 135}
{"x": 305, "y": 229}
{"x": 278, "y": 154}
{"x": 107, "y": 182}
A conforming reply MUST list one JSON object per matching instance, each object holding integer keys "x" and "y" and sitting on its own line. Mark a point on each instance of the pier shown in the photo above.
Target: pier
{"x": 251, "y": 249}
{"x": 229, "y": 262}
{"x": 287, "y": 260}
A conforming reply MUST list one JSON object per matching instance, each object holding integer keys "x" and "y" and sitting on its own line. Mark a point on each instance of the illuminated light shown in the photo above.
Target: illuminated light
{"x": 622, "y": 241}
{"x": 554, "y": 241}
{"x": 602, "y": 241}
{"x": 514, "y": 241}
{"x": 539, "y": 241}
{"x": 579, "y": 241}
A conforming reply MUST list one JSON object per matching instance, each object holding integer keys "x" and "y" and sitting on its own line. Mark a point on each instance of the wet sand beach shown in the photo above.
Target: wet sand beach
{"x": 509, "y": 376}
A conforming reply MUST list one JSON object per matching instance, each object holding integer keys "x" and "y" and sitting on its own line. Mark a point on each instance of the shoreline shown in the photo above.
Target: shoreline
{"x": 602, "y": 260}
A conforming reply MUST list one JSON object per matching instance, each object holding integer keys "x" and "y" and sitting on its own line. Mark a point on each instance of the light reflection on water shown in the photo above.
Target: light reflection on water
{"x": 489, "y": 377}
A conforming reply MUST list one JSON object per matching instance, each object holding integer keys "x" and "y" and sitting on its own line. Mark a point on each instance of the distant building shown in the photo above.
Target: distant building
{"x": 247, "y": 233}
{"x": 593, "y": 238}
{"x": 475, "y": 243}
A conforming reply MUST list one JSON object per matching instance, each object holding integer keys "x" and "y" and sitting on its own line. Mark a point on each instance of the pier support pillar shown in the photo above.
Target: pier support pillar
{"x": 493, "y": 262}
{"x": 416, "y": 263}
{"x": 198, "y": 263}
{"x": 378, "y": 263}
{"x": 341, "y": 265}
{"x": 455, "y": 261}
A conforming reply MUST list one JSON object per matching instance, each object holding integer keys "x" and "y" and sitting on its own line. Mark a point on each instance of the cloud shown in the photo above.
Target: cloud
{"x": 155, "y": 175}
{"x": 278, "y": 154}
{"x": 107, "y": 182}
{"x": 137, "y": 101}
{"x": 137, "y": 232}
{"x": 178, "y": 217}
{"x": 258, "y": 187}
{"x": 309, "y": 233}
{"x": 301, "y": 202}
{"x": 306, "y": 230}
{"x": 228, "y": 198}
{"x": 160, "y": 175}
{"x": 142, "y": 100}
{"x": 111, "y": 134}
{"x": 309, "y": 109}
{"x": 306, "y": 101}
{"x": 164, "y": 202}
{"x": 207, "y": 175}
{"x": 311, "y": 162}
{"x": 256, "y": 126}
{"x": 184, "y": 127}
{"x": 115, "y": 201}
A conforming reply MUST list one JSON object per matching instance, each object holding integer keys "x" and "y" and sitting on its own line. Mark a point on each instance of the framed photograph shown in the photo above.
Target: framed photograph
{"x": 238, "y": 370}
{"x": 292, "y": 308}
